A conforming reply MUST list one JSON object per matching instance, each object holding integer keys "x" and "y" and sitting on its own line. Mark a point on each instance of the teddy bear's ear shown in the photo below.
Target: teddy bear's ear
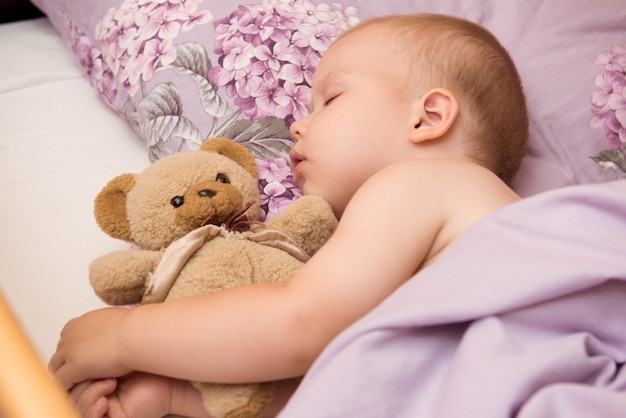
{"x": 231, "y": 149}
{"x": 110, "y": 207}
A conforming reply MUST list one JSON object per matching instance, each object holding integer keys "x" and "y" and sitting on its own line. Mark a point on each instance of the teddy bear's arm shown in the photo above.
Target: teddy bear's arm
{"x": 309, "y": 221}
{"x": 119, "y": 278}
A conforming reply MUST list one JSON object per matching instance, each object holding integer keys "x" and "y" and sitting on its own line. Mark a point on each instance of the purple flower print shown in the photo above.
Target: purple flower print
{"x": 273, "y": 169}
{"x": 276, "y": 186}
{"x": 608, "y": 106}
{"x": 89, "y": 58}
{"x": 156, "y": 51}
{"x": 319, "y": 36}
{"x": 297, "y": 96}
{"x": 136, "y": 39}
{"x": 161, "y": 22}
{"x": 299, "y": 70}
{"x": 609, "y": 98}
{"x": 268, "y": 52}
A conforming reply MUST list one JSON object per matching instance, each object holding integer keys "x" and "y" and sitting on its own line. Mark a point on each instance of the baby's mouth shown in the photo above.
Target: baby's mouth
{"x": 296, "y": 159}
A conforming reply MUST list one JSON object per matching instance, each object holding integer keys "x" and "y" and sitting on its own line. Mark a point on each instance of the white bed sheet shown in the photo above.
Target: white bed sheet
{"x": 59, "y": 144}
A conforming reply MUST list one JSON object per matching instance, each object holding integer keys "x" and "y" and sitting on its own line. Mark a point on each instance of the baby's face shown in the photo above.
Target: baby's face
{"x": 358, "y": 120}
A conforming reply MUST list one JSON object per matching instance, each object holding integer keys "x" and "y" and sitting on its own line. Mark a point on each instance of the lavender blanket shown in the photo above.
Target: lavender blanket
{"x": 524, "y": 315}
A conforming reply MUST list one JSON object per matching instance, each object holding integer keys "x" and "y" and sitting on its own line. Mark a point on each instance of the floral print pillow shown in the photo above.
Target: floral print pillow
{"x": 609, "y": 108}
{"x": 183, "y": 71}
{"x": 245, "y": 76}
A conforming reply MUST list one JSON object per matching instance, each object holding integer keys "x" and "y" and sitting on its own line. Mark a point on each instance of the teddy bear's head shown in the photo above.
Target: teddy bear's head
{"x": 178, "y": 194}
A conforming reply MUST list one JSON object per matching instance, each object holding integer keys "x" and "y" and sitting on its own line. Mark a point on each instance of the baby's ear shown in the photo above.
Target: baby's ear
{"x": 436, "y": 112}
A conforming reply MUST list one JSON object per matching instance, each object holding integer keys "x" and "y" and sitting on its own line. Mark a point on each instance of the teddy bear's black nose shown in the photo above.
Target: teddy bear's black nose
{"x": 207, "y": 193}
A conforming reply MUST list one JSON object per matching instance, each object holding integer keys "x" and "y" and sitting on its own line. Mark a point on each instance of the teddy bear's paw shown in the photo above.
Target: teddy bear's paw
{"x": 119, "y": 278}
{"x": 309, "y": 220}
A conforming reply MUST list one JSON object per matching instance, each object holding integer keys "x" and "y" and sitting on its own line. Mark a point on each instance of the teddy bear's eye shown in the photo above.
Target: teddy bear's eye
{"x": 222, "y": 178}
{"x": 177, "y": 201}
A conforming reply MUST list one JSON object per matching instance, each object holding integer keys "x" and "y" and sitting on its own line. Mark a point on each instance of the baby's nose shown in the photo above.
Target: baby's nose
{"x": 297, "y": 129}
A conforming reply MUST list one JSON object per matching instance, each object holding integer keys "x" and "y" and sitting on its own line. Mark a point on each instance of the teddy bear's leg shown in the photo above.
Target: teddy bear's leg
{"x": 236, "y": 401}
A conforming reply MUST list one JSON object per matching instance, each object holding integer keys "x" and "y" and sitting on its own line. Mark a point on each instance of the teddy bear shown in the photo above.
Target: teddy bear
{"x": 193, "y": 216}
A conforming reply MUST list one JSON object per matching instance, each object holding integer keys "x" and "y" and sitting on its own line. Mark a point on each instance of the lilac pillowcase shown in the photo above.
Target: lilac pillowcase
{"x": 181, "y": 72}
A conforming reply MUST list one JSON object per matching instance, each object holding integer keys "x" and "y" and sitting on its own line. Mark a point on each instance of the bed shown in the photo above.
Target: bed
{"x": 525, "y": 315}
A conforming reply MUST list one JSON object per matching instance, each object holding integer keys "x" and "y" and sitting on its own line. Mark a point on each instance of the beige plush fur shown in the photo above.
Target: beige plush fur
{"x": 175, "y": 196}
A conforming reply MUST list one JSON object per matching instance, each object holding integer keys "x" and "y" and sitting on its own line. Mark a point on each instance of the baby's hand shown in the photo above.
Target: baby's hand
{"x": 138, "y": 395}
{"x": 90, "y": 397}
{"x": 89, "y": 348}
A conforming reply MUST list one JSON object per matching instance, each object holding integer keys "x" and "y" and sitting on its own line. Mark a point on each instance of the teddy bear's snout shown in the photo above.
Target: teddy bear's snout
{"x": 178, "y": 201}
{"x": 215, "y": 200}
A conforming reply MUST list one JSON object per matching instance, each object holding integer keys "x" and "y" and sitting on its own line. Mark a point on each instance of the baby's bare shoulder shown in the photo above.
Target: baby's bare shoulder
{"x": 443, "y": 187}
{"x": 464, "y": 186}
{"x": 437, "y": 176}
{"x": 456, "y": 194}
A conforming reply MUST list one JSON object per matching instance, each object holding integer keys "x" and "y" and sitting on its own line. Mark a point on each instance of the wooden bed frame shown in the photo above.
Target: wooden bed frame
{"x": 26, "y": 388}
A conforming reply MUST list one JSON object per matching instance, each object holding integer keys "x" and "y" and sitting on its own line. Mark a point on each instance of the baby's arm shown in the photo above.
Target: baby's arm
{"x": 266, "y": 332}
{"x": 393, "y": 225}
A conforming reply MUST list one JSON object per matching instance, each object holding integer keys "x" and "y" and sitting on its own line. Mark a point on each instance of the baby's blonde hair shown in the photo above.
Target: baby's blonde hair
{"x": 465, "y": 58}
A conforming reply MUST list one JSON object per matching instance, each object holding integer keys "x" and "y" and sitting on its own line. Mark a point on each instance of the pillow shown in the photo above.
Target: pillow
{"x": 183, "y": 71}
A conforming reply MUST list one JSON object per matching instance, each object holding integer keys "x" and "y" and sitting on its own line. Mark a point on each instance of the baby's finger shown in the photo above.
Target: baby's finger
{"x": 58, "y": 359}
{"x": 61, "y": 378}
{"x": 90, "y": 397}
{"x": 115, "y": 409}
{"x": 55, "y": 363}
{"x": 98, "y": 410}
{"x": 93, "y": 388}
{"x": 78, "y": 390}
